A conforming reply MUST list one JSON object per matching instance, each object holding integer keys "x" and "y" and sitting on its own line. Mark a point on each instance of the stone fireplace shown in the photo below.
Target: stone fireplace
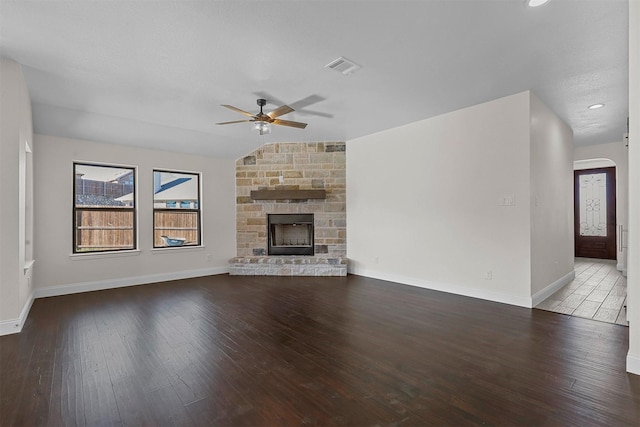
{"x": 305, "y": 184}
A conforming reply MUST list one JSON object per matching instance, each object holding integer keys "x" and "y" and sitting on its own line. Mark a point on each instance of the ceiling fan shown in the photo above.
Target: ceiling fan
{"x": 264, "y": 121}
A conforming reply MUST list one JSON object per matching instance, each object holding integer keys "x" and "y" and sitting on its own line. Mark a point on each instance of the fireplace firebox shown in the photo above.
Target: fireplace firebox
{"x": 290, "y": 234}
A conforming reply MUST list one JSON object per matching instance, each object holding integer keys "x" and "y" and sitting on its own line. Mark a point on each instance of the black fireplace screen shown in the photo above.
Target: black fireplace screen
{"x": 290, "y": 234}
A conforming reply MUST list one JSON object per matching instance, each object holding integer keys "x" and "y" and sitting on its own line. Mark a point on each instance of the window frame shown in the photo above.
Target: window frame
{"x": 76, "y": 210}
{"x": 197, "y": 210}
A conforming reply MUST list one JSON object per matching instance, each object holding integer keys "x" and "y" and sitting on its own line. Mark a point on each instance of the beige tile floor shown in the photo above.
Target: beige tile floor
{"x": 598, "y": 292}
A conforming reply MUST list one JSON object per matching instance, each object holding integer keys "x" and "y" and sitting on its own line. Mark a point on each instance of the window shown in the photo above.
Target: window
{"x": 104, "y": 214}
{"x": 176, "y": 209}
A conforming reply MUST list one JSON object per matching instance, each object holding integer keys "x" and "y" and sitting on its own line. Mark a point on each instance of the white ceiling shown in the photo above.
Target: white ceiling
{"x": 154, "y": 73}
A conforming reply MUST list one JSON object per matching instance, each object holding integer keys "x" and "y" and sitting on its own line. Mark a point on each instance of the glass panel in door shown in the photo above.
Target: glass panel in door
{"x": 593, "y": 204}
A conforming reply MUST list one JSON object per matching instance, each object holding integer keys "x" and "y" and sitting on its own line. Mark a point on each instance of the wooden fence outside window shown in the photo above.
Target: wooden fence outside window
{"x": 113, "y": 229}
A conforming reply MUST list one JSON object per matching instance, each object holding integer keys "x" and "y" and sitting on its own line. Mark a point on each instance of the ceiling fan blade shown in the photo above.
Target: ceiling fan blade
{"x": 289, "y": 123}
{"x": 314, "y": 113}
{"x": 280, "y": 111}
{"x": 235, "y": 121}
{"x": 299, "y": 106}
{"x": 271, "y": 100}
{"x": 305, "y": 102}
{"x": 231, "y": 107}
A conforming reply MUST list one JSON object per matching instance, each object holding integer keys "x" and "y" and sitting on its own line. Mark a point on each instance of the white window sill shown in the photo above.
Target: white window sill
{"x": 169, "y": 249}
{"x": 98, "y": 255}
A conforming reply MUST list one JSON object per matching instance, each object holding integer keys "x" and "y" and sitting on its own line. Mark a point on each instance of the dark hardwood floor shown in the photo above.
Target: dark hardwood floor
{"x": 272, "y": 351}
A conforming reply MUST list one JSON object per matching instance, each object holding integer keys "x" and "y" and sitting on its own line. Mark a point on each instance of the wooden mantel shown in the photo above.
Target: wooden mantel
{"x": 288, "y": 194}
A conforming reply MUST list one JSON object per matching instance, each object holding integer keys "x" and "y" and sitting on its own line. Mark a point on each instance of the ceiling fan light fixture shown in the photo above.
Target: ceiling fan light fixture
{"x": 263, "y": 128}
{"x": 536, "y": 3}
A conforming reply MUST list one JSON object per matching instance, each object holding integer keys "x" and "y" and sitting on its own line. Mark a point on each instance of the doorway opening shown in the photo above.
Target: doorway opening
{"x": 599, "y": 290}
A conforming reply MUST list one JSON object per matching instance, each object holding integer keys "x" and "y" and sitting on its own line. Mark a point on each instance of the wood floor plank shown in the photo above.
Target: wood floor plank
{"x": 66, "y": 404}
{"x": 100, "y": 406}
{"x": 279, "y": 351}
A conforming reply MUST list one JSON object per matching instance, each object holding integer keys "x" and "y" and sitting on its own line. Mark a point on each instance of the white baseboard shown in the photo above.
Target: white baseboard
{"x": 445, "y": 287}
{"x": 126, "y": 281}
{"x": 542, "y": 295}
{"x": 13, "y": 326}
{"x": 633, "y": 364}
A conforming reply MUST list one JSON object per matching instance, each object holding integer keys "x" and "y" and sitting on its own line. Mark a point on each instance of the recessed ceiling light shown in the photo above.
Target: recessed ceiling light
{"x": 536, "y": 3}
{"x": 595, "y": 106}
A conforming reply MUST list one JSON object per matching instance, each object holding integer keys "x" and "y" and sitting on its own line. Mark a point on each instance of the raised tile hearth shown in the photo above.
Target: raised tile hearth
{"x": 288, "y": 266}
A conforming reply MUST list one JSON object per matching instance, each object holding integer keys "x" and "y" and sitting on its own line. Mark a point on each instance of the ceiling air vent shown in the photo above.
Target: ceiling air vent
{"x": 343, "y": 65}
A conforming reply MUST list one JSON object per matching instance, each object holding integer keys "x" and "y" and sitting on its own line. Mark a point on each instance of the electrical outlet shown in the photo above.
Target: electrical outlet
{"x": 488, "y": 275}
{"x": 209, "y": 257}
{"x": 508, "y": 200}
{"x": 376, "y": 260}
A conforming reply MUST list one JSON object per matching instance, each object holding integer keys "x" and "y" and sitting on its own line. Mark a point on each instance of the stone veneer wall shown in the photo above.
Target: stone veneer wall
{"x": 302, "y": 166}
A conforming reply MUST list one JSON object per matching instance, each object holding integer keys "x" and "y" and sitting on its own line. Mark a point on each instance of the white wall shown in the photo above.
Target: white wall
{"x": 552, "y": 249}
{"x": 619, "y": 154}
{"x": 633, "y": 254}
{"x": 57, "y": 272}
{"x": 15, "y": 218}
{"x": 424, "y": 202}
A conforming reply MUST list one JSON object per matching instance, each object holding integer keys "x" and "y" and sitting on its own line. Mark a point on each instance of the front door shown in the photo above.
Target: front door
{"x": 595, "y": 213}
